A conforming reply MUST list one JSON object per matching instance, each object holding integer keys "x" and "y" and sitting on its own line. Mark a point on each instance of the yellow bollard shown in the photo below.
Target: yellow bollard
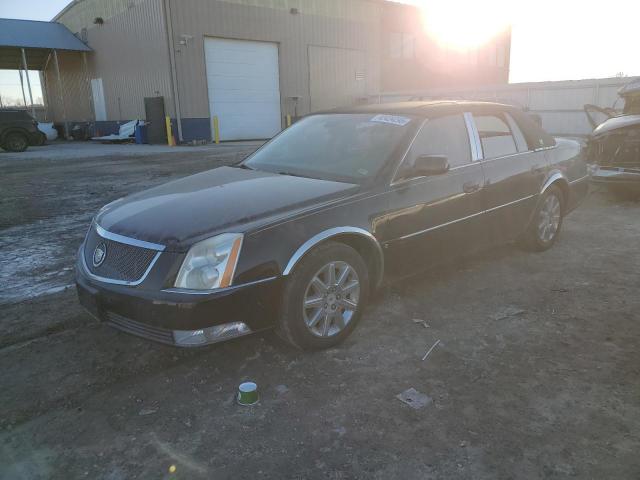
{"x": 216, "y": 129}
{"x": 288, "y": 121}
{"x": 170, "y": 141}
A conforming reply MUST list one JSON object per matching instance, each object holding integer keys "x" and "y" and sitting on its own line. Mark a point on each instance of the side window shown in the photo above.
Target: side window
{"x": 532, "y": 130}
{"x": 443, "y": 136}
{"x": 521, "y": 141}
{"x": 495, "y": 136}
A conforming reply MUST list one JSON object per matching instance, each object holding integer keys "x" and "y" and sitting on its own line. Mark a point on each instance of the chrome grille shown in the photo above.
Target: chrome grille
{"x": 123, "y": 262}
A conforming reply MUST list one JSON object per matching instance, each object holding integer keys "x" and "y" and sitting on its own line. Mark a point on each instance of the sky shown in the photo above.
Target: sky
{"x": 551, "y": 39}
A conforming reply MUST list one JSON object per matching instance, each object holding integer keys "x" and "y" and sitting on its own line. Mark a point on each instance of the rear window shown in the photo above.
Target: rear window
{"x": 536, "y": 137}
{"x": 495, "y": 136}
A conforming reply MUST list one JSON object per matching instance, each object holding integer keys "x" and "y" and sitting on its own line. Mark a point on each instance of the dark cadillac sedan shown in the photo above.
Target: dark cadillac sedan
{"x": 301, "y": 233}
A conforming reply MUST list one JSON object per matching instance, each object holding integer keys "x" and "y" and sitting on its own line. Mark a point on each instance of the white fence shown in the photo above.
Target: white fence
{"x": 559, "y": 104}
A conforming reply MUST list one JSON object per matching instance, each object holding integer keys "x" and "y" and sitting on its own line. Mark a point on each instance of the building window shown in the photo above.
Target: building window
{"x": 402, "y": 45}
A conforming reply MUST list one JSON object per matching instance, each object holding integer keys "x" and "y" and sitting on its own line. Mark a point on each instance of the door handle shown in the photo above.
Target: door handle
{"x": 470, "y": 187}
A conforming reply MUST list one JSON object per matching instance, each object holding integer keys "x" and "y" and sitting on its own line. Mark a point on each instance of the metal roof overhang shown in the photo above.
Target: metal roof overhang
{"x": 38, "y": 39}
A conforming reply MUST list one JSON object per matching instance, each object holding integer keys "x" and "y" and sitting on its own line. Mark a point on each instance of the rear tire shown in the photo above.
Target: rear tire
{"x": 15, "y": 142}
{"x": 546, "y": 223}
{"x": 41, "y": 139}
{"x": 320, "y": 309}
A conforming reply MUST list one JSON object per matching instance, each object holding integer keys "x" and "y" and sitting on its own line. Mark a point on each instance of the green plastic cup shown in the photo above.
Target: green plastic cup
{"x": 248, "y": 393}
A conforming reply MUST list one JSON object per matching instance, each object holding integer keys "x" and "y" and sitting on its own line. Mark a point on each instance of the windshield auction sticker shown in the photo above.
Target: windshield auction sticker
{"x": 391, "y": 120}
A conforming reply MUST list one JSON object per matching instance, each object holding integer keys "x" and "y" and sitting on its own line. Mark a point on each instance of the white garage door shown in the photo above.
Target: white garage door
{"x": 244, "y": 88}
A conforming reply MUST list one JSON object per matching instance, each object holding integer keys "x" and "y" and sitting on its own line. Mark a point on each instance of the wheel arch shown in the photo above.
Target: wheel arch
{"x": 11, "y": 130}
{"x": 357, "y": 238}
{"x": 559, "y": 180}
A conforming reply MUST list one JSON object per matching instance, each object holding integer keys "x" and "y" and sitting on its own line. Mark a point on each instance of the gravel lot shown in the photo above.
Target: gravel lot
{"x": 537, "y": 373}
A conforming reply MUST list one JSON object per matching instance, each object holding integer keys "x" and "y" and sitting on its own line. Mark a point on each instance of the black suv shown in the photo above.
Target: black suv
{"x": 18, "y": 130}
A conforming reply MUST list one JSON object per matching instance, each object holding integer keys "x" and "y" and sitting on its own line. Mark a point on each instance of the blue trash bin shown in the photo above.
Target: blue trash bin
{"x": 141, "y": 133}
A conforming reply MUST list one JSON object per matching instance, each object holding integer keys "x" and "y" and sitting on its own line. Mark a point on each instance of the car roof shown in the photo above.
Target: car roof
{"x": 426, "y": 108}
{"x": 12, "y": 110}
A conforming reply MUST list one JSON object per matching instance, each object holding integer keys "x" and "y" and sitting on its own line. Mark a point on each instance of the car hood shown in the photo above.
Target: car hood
{"x": 616, "y": 123}
{"x": 226, "y": 199}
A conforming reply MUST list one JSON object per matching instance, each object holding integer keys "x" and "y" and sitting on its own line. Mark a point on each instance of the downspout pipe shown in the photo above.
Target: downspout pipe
{"x": 172, "y": 66}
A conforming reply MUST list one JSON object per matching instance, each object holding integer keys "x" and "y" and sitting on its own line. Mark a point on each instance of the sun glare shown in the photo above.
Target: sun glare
{"x": 464, "y": 24}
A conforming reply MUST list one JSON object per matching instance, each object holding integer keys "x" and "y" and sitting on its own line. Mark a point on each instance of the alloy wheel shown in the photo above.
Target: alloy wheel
{"x": 331, "y": 299}
{"x": 549, "y": 219}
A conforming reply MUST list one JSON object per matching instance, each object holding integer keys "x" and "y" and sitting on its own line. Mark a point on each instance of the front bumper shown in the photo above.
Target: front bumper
{"x": 616, "y": 176}
{"x": 179, "y": 318}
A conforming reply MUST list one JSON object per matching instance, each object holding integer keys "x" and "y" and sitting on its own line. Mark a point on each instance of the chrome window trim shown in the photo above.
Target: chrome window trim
{"x": 404, "y": 157}
{"x": 487, "y": 160}
{"x": 513, "y": 126}
{"x": 452, "y": 222}
{"x": 332, "y": 232}
{"x": 127, "y": 240}
{"x": 474, "y": 138}
{"x": 113, "y": 281}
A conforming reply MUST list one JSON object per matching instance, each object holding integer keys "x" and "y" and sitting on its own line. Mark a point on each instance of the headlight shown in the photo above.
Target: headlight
{"x": 211, "y": 263}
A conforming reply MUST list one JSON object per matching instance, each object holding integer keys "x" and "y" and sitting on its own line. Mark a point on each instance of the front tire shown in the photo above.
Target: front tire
{"x": 546, "y": 223}
{"x": 15, "y": 142}
{"x": 324, "y": 297}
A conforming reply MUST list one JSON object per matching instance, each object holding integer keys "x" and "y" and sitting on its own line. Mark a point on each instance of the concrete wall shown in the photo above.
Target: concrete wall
{"x": 559, "y": 104}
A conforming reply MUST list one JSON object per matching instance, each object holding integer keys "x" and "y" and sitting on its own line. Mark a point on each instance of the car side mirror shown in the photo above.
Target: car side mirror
{"x": 429, "y": 165}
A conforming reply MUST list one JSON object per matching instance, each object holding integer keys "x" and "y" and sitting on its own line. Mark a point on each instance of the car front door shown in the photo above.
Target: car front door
{"x": 514, "y": 174}
{"x": 432, "y": 218}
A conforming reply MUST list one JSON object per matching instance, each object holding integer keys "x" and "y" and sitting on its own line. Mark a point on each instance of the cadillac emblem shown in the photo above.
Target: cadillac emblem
{"x": 99, "y": 255}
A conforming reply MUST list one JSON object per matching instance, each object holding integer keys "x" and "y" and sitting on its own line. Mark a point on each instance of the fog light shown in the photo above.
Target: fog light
{"x": 205, "y": 336}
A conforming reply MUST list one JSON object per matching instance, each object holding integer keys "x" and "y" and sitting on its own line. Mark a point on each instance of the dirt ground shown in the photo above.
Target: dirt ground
{"x": 537, "y": 373}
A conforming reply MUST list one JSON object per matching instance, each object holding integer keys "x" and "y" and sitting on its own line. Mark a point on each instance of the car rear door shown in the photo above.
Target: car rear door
{"x": 514, "y": 174}
{"x": 434, "y": 218}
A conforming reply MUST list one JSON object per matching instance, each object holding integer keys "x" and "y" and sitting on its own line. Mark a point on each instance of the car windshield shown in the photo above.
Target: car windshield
{"x": 341, "y": 147}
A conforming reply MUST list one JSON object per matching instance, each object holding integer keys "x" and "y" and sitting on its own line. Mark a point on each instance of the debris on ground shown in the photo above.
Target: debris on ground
{"x": 430, "y": 350}
{"x": 414, "y": 398}
{"x": 147, "y": 411}
{"x": 248, "y": 394}
{"x": 421, "y": 322}
{"x": 282, "y": 389}
{"x": 506, "y": 312}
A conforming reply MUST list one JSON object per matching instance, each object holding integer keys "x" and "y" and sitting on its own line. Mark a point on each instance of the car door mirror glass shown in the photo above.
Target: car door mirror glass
{"x": 429, "y": 165}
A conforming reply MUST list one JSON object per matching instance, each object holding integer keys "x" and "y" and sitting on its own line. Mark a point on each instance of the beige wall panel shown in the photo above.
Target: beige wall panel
{"x": 338, "y": 77}
{"x": 132, "y": 59}
{"x": 83, "y": 12}
{"x": 193, "y": 20}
